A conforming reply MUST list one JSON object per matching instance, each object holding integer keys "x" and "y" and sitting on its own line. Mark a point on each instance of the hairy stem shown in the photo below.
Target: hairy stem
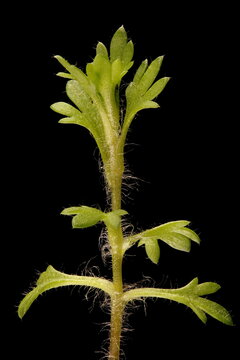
{"x": 115, "y": 237}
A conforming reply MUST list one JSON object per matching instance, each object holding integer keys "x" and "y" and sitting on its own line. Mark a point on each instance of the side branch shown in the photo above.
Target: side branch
{"x": 52, "y": 278}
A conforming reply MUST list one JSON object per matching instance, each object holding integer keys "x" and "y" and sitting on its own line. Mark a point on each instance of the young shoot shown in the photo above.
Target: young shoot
{"x": 96, "y": 105}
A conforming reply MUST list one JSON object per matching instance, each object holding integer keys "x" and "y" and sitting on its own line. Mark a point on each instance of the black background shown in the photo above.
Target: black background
{"x": 184, "y": 156}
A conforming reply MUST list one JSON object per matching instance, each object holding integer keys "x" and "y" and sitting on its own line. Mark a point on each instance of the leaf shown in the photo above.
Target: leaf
{"x": 118, "y": 43}
{"x": 149, "y": 76}
{"x": 79, "y": 97}
{"x": 74, "y": 116}
{"x": 99, "y": 72}
{"x": 117, "y": 70}
{"x": 102, "y": 50}
{"x": 176, "y": 241}
{"x": 127, "y": 53}
{"x": 140, "y": 71}
{"x": 200, "y": 314}
{"x": 85, "y": 216}
{"x": 206, "y": 288}
{"x": 76, "y": 74}
{"x": 187, "y": 295}
{"x": 156, "y": 88}
{"x": 52, "y": 278}
{"x": 152, "y": 249}
{"x": 190, "y": 234}
{"x": 215, "y": 310}
{"x": 142, "y": 90}
{"x": 64, "y": 109}
{"x": 174, "y": 233}
{"x": 65, "y": 75}
{"x": 113, "y": 218}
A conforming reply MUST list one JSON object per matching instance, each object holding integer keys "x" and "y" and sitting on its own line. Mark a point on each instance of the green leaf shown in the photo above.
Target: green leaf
{"x": 173, "y": 233}
{"x": 99, "y": 72}
{"x": 117, "y": 71}
{"x": 88, "y": 116}
{"x": 74, "y": 120}
{"x": 118, "y": 43}
{"x": 52, "y": 278}
{"x": 146, "y": 105}
{"x": 206, "y": 288}
{"x": 80, "y": 98}
{"x": 102, "y": 50}
{"x": 149, "y": 76}
{"x": 142, "y": 90}
{"x": 76, "y": 74}
{"x": 187, "y": 295}
{"x": 127, "y": 54}
{"x": 113, "y": 218}
{"x": 85, "y": 216}
{"x": 200, "y": 314}
{"x": 213, "y": 309}
{"x": 64, "y": 109}
{"x": 65, "y": 75}
{"x": 156, "y": 88}
{"x": 152, "y": 249}
{"x": 189, "y": 233}
{"x": 140, "y": 71}
{"x": 176, "y": 241}
{"x": 74, "y": 116}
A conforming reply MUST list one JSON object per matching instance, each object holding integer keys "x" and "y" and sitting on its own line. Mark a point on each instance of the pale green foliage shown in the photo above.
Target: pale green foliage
{"x": 95, "y": 105}
{"x": 173, "y": 233}
{"x": 86, "y": 216}
{"x": 189, "y": 295}
{"x": 52, "y": 278}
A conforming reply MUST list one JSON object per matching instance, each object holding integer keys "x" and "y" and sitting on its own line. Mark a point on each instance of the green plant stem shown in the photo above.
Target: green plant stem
{"x": 115, "y": 237}
{"x": 117, "y": 304}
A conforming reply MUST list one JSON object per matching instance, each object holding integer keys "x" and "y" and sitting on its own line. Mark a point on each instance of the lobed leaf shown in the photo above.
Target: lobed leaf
{"x": 173, "y": 233}
{"x": 85, "y": 216}
{"x": 52, "y": 278}
{"x": 188, "y": 296}
{"x": 77, "y": 75}
{"x": 142, "y": 90}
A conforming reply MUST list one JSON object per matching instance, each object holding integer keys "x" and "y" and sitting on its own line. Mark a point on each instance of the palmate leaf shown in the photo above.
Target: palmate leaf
{"x": 173, "y": 233}
{"x": 189, "y": 295}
